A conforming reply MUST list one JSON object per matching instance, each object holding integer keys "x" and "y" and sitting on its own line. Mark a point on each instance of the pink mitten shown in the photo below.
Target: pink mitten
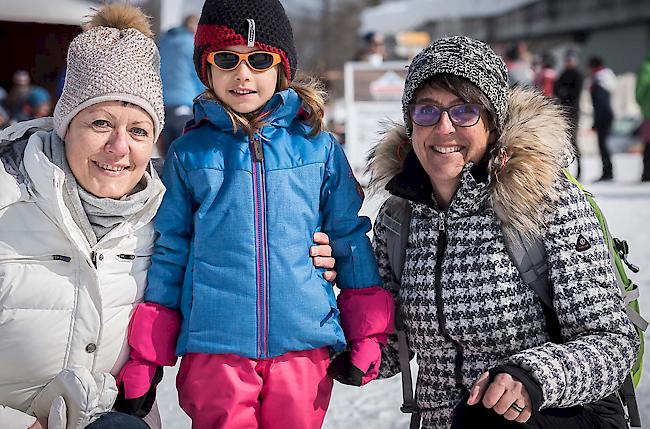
{"x": 367, "y": 316}
{"x": 153, "y": 332}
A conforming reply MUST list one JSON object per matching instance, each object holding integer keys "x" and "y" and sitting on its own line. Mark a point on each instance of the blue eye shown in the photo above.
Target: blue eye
{"x": 101, "y": 123}
{"x": 139, "y": 132}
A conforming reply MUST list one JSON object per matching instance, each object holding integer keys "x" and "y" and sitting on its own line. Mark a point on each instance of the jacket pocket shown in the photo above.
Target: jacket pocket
{"x": 25, "y": 259}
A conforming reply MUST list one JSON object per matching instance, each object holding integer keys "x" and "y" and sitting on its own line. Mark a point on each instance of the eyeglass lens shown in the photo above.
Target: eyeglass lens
{"x": 463, "y": 115}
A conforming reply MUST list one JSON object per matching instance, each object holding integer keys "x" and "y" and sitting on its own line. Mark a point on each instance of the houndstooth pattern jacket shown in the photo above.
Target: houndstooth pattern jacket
{"x": 480, "y": 314}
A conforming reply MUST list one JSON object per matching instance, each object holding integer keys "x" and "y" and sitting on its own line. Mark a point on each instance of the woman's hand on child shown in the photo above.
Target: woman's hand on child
{"x": 321, "y": 254}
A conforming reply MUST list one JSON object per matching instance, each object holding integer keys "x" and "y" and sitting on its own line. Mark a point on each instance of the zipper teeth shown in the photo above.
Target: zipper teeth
{"x": 259, "y": 257}
{"x": 257, "y": 261}
{"x": 265, "y": 258}
{"x": 442, "y": 246}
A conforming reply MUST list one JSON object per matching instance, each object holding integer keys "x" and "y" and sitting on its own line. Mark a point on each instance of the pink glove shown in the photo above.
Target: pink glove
{"x": 367, "y": 316}
{"x": 153, "y": 332}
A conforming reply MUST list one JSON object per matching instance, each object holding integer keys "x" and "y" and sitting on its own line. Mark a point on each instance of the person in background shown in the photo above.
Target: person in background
{"x": 462, "y": 161}
{"x": 520, "y": 71}
{"x": 180, "y": 81}
{"x": 374, "y": 49}
{"x": 601, "y": 86}
{"x": 4, "y": 113}
{"x": 18, "y": 92}
{"x": 643, "y": 98}
{"x": 566, "y": 90}
{"x": 37, "y": 105}
{"x": 546, "y": 76}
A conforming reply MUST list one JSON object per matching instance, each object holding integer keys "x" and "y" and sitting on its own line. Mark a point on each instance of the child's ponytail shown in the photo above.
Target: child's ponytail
{"x": 313, "y": 96}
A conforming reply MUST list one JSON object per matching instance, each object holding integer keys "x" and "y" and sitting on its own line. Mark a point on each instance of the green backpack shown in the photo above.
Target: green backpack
{"x": 531, "y": 261}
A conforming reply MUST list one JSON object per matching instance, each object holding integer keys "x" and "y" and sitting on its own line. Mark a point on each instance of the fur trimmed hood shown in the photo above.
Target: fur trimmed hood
{"x": 523, "y": 164}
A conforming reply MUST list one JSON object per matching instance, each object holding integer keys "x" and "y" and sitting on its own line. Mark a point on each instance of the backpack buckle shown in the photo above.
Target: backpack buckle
{"x": 623, "y": 249}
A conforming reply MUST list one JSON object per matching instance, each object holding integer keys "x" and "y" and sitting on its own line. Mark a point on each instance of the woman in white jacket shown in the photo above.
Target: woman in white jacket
{"x": 77, "y": 197}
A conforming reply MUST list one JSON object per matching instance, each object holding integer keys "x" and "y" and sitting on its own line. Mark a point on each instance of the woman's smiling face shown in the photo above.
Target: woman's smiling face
{"x": 444, "y": 148}
{"x": 108, "y": 146}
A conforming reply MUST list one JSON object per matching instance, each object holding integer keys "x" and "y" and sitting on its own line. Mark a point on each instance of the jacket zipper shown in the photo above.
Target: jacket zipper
{"x": 442, "y": 325}
{"x": 260, "y": 244}
{"x": 130, "y": 256}
{"x": 43, "y": 258}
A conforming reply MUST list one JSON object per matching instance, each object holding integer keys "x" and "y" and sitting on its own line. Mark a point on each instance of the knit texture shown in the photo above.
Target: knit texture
{"x": 466, "y": 58}
{"x": 225, "y": 23}
{"x": 107, "y": 64}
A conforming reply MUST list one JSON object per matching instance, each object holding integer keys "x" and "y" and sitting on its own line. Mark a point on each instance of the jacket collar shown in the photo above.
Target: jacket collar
{"x": 520, "y": 170}
{"x": 281, "y": 110}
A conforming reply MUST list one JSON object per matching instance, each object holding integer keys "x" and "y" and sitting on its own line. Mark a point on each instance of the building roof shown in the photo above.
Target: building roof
{"x": 393, "y": 17}
{"x": 69, "y": 12}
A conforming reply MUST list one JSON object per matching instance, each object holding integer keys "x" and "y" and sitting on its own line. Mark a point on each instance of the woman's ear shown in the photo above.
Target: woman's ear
{"x": 493, "y": 137}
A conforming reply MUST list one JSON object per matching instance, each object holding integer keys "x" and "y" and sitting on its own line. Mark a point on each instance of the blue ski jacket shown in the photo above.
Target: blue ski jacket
{"x": 235, "y": 227}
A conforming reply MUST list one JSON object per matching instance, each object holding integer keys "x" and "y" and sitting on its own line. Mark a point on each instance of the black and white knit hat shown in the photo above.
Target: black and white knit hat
{"x": 115, "y": 59}
{"x": 259, "y": 23}
{"x": 463, "y": 57}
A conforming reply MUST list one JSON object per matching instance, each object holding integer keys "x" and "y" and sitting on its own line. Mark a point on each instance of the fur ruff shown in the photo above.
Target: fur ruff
{"x": 121, "y": 16}
{"x": 524, "y": 163}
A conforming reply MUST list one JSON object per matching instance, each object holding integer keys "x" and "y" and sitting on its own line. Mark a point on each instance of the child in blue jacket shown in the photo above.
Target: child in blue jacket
{"x": 231, "y": 284}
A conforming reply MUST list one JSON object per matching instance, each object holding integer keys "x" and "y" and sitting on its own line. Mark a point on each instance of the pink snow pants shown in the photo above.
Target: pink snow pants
{"x": 225, "y": 391}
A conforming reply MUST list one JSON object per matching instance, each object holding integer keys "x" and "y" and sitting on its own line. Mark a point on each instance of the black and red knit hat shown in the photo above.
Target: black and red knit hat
{"x": 259, "y": 23}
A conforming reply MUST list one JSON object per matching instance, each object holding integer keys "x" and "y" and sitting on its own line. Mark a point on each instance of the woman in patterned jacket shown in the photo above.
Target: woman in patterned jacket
{"x": 471, "y": 148}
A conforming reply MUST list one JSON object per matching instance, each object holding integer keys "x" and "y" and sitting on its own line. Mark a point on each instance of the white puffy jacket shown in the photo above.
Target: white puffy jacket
{"x": 63, "y": 303}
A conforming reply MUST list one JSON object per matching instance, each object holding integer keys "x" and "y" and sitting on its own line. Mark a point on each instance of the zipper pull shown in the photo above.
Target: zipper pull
{"x": 441, "y": 221}
{"x": 126, "y": 256}
{"x": 258, "y": 151}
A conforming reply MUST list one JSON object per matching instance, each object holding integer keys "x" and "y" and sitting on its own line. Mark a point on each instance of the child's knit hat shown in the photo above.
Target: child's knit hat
{"x": 259, "y": 23}
{"x": 115, "y": 59}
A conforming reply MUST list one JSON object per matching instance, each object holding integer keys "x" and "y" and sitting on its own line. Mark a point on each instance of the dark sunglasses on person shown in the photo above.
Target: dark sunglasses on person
{"x": 257, "y": 60}
{"x": 461, "y": 115}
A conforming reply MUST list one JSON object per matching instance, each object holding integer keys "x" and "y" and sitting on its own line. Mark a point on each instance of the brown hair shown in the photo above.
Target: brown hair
{"x": 309, "y": 89}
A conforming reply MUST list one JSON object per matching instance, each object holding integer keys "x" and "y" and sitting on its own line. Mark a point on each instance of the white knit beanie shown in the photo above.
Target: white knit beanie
{"x": 115, "y": 59}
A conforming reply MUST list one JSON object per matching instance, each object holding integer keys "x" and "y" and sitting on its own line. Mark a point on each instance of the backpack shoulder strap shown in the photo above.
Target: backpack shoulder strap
{"x": 529, "y": 257}
{"x": 397, "y": 219}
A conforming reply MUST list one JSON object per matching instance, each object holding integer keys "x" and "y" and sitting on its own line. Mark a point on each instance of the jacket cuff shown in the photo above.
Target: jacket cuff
{"x": 153, "y": 332}
{"x": 532, "y": 387}
{"x": 367, "y": 312}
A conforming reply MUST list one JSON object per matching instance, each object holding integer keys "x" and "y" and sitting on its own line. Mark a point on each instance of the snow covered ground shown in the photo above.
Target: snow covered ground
{"x": 626, "y": 204}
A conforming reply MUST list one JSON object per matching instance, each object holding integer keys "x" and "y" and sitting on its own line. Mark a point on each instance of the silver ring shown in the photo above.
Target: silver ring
{"x": 517, "y": 408}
